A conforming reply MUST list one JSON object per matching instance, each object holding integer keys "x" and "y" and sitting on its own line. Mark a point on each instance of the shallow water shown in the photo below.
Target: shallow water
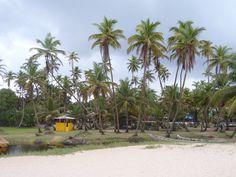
{"x": 17, "y": 149}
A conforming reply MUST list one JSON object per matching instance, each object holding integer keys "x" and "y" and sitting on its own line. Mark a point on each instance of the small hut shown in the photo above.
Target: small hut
{"x": 64, "y": 123}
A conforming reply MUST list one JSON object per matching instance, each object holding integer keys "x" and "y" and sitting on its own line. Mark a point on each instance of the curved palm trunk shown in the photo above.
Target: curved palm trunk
{"x": 23, "y": 113}
{"x": 168, "y": 126}
{"x": 179, "y": 101}
{"x": 70, "y": 93}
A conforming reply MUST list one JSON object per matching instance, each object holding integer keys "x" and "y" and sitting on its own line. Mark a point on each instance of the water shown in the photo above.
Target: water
{"x": 17, "y": 149}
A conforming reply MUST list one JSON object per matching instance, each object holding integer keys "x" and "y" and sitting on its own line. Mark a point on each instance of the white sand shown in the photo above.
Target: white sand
{"x": 212, "y": 160}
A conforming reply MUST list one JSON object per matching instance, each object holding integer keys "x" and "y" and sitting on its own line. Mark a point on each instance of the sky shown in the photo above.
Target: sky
{"x": 71, "y": 21}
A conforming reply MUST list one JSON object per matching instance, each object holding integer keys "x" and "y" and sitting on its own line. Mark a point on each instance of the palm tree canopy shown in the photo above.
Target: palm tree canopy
{"x": 49, "y": 51}
{"x": 184, "y": 44}
{"x": 133, "y": 64}
{"x": 220, "y": 58}
{"x": 107, "y": 36}
{"x": 147, "y": 39}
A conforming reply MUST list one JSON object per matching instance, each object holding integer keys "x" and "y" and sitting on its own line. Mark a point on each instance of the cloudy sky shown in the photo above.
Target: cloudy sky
{"x": 24, "y": 21}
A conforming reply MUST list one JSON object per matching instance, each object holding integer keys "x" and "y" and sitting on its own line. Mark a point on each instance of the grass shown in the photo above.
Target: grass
{"x": 96, "y": 140}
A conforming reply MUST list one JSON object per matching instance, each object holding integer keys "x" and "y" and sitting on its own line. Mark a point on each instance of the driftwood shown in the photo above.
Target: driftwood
{"x": 158, "y": 138}
{"x": 187, "y": 139}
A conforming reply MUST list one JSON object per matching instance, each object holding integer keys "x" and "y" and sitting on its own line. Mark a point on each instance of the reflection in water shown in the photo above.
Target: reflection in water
{"x": 17, "y": 149}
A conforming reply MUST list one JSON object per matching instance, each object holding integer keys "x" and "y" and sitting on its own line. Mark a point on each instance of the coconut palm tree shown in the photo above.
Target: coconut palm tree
{"x": 106, "y": 38}
{"x": 207, "y": 52}
{"x": 126, "y": 99}
{"x": 97, "y": 86}
{"x": 21, "y": 86}
{"x": 9, "y": 76}
{"x": 220, "y": 59}
{"x": 34, "y": 78}
{"x": 146, "y": 42}
{"x": 49, "y": 52}
{"x": 133, "y": 65}
{"x": 163, "y": 75}
{"x": 184, "y": 47}
{"x": 73, "y": 57}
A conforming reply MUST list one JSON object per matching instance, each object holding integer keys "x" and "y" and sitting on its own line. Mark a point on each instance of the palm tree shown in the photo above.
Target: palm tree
{"x": 33, "y": 80}
{"x": 49, "y": 52}
{"x": 106, "y": 38}
{"x": 133, "y": 65}
{"x": 2, "y": 69}
{"x": 125, "y": 99}
{"x": 183, "y": 45}
{"x": 9, "y": 76}
{"x": 220, "y": 59}
{"x": 73, "y": 57}
{"x": 147, "y": 42}
{"x": 98, "y": 86}
{"x": 21, "y": 85}
{"x": 150, "y": 76}
{"x": 163, "y": 75}
{"x": 207, "y": 52}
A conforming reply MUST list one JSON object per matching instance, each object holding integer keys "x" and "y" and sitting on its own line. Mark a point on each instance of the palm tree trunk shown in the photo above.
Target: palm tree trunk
{"x": 114, "y": 99}
{"x": 23, "y": 113}
{"x": 168, "y": 126}
{"x": 99, "y": 116}
{"x": 161, "y": 85}
{"x": 36, "y": 116}
{"x": 127, "y": 120}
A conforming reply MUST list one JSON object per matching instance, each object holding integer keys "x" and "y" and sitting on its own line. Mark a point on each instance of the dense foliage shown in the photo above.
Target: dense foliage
{"x": 97, "y": 101}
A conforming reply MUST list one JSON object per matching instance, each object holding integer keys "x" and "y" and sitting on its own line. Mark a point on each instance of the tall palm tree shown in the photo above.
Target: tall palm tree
{"x": 207, "y": 52}
{"x": 106, "y": 38}
{"x": 184, "y": 47}
{"x": 146, "y": 42}
{"x": 34, "y": 78}
{"x": 2, "y": 69}
{"x": 98, "y": 86}
{"x": 21, "y": 86}
{"x": 9, "y": 76}
{"x": 220, "y": 59}
{"x": 73, "y": 57}
{"x": 126, "y": 99}
{"x": 49, "y": 52}
{"x": 133, "y": 65}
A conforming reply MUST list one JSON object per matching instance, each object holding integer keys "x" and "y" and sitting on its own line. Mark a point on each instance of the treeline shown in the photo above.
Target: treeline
{"x": 99, "y": 102}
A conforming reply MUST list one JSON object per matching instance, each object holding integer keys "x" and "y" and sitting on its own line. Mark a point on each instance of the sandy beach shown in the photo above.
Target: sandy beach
{"x": 212, "y": 160}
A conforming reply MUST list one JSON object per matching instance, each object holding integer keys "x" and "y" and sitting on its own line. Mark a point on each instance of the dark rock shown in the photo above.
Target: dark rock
{"x": 38, "y": 141}
{"x": 74, "y": 141}
{"x": 48, "y": 132}
{"x": 135, "y": 139}
{"x": 38, "y": 134}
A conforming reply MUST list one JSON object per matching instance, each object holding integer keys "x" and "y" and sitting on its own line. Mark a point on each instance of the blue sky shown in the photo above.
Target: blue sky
{"x": 24, "y": 21}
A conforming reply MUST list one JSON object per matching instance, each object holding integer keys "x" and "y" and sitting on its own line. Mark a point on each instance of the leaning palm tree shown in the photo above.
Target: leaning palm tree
{"x": 106, "y": 38}
{"x": 9, "y": 76}
{"x": 220, "y": 59}
{"x": 184, "y": 47}
{"x": 207, "y": 52}
{"x": 146, "y": 42}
